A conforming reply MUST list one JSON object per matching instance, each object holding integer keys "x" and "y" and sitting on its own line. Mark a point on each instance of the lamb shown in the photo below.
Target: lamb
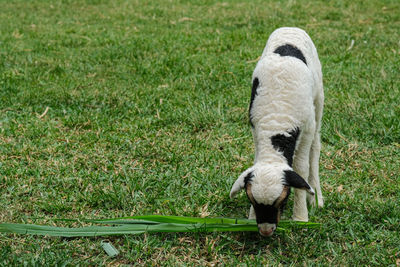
{"x": 285, "y": 114}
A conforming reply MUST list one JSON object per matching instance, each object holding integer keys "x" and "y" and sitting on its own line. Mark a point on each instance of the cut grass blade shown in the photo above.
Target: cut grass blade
{"x": 174, "y": 219}
{"x": 153, "y": 219}
{"x": 151, "y": 224}
{"x": 122, "y": 229}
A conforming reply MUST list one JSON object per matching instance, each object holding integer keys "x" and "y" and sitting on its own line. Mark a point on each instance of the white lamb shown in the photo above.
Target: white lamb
{"x": 285, "y": 113}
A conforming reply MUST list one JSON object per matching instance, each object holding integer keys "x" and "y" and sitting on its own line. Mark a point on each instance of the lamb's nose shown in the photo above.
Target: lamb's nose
{"x": 268, "y": 232}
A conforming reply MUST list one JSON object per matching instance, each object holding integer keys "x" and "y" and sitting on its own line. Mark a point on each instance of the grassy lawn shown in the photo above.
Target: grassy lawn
{"x": 147, "y": 114}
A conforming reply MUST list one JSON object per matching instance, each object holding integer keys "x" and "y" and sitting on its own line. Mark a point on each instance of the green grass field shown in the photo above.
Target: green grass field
{"x": 147, "y": 114}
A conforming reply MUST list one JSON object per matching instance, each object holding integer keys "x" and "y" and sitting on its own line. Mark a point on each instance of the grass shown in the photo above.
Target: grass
{"x": 148, "y": 115}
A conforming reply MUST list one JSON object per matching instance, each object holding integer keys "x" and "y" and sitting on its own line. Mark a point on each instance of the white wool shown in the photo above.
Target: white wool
{"x": 283, "y": 100}
{"x": 267, "y": 186}
{"x": 300, "y": 39}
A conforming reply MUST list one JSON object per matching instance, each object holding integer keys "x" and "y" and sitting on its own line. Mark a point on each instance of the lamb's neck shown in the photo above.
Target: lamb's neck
{"x": 265, "y": 153}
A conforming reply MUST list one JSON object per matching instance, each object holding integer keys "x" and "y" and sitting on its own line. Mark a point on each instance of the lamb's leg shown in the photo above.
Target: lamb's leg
{"x": 252, "y": 213}
{"x": 314, "y": 172}
{"x": 315, "y": 152}
{"x": 301, "y": 166}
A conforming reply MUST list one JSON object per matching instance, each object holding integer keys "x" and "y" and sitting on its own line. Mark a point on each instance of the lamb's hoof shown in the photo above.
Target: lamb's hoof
{"x": 320, "y": 203}
{"x": 300, "y": 219}
{"x": 312, "y": 202}
{"x": 252, "y": 217}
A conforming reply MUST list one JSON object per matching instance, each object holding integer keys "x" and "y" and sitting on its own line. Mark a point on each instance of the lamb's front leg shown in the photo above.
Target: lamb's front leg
{"x": 300, "y": 211}
{"x": 252, "y": 213}
{"x": 301, "y": 166}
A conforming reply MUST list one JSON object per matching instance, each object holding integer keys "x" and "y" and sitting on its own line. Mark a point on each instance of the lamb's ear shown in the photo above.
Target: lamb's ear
{"x": 241, "y": 182}
{"x": 294, "y": 180}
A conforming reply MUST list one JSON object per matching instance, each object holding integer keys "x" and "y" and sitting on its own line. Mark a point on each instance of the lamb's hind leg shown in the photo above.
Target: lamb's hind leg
{"x": 314, "y": 172}
{"x": 315, "y": 152}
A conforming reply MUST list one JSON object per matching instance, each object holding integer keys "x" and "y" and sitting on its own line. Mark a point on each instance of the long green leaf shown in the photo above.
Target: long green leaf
{"x": 121, "y": 229}
{"x": 174, "y": 219}
{"x": 152, "y": 219}
{"x": 149, "y": 223}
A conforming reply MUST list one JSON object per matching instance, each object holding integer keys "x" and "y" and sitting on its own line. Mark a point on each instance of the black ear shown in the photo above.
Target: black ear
{"x": 294, "y": 180}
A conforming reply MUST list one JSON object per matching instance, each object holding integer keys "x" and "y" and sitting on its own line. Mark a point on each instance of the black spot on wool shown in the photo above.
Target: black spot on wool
{"x": 256, "y": 83}
{"x": 291, "y": 51}
{"x": 286, "y": 144}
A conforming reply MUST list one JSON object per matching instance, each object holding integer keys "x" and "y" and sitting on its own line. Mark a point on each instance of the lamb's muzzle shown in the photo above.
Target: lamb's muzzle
{"x": 266, "y": 229}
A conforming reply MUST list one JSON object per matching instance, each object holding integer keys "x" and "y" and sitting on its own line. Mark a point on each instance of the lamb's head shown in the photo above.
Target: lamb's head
{"x": 268, "y": 188}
